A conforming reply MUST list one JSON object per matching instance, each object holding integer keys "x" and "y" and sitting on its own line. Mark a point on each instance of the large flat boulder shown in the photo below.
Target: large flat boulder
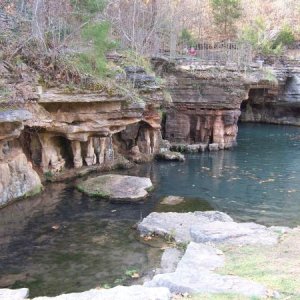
{"x": 195, "y": 274}
{"x": 232, "y": 232}
{"x": 206, "y": 227}
{"x": 135, "y": 292}
{"x": 117, "y": 187}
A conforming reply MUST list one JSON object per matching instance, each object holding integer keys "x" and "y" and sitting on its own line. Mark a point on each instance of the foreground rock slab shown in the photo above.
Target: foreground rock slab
{"x": 8, "y": 294}
{"x": 195, "y": 274}
{"x": 204, "y": 227}
{"x": 134, "y": 292}
{"x": 117, "y": 187}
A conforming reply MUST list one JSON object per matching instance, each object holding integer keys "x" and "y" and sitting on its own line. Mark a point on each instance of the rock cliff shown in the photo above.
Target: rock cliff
{"x": 17, "y": 177}
{"x": 280, "y": 104}
{"x": 58, "y": 129}
{"x": 206, "y": 101}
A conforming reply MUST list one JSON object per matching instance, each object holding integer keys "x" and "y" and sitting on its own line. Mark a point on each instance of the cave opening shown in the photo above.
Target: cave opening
{"x": 252, "y": 107}
{"x": 65, "y": 150}
{"x": 31, "y": 145}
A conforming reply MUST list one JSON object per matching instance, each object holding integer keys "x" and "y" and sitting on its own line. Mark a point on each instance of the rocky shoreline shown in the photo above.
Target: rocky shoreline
{"x": 193, "y": 267}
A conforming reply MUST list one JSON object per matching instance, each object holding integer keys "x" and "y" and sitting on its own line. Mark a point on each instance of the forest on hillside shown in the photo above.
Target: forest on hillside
{"x": 77, "y": 34}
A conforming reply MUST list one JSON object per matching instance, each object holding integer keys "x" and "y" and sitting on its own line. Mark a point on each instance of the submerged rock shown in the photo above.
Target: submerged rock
{"x": 117, "y": 187}
{"x": 170, "y": 155}
{"x": 195, "y": 274}
{"x": 203, "y": 227}
{"x": 172, "y": 200}
{"x": 19, "y": 294}
{"x": 135, "y": 292}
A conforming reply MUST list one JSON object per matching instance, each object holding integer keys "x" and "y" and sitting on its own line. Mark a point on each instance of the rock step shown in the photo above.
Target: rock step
{"x": 203, "y": 227}
{"x": 194, "y": 274}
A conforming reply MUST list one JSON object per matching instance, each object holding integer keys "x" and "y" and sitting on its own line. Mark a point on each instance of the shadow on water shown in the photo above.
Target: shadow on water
{"x": 63, "y": 241}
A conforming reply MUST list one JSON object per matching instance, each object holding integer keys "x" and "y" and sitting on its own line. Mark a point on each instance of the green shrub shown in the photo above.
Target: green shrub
{"x": 93, "y": 61}
{"x": 257, "y": 35}
{"x": 187, "y": 38}
{"x": 285, "y": 37}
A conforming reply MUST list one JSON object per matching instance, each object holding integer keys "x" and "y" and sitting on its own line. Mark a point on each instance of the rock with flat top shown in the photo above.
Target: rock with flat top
{"x": 234, "y": 233}
{"x": 117, "y": 187}
{"x": 135, "y": 292}
{"x": 206, "y": 227}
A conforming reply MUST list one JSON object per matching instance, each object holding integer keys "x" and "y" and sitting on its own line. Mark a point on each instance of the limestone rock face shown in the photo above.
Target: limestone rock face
{"x": 117, "y": 187}
{"x": 17, "y": 177}
{"x": 205, "y": 104}
{"x": 90, "y": 129}
{"x": 60, "y": 130}
{"x": 207, "y": 100}
{"x": 11, "y": 123}
{"x": 279, "y": 103}
{"x": 187, "y": 123}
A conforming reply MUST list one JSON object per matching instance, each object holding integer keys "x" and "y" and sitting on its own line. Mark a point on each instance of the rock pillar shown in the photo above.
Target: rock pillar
{"x": 90, "y": 158}
{"x": 76, "y": 148}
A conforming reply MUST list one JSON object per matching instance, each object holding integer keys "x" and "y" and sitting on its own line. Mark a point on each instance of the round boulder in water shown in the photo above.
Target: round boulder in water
{"x": 117, "y": 187}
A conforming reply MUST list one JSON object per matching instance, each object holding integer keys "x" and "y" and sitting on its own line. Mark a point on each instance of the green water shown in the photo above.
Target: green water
{"x": 257, "y": 181}
{"x": 63, "y": 241}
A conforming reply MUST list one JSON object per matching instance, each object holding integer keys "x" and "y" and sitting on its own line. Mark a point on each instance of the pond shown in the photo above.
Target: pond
{"x": 63, "y": 241}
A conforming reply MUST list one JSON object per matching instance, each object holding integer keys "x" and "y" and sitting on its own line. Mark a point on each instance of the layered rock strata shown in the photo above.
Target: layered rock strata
{"x": 277, "y": 105}
{"x": 60, "y": 130}
{"x": 206, "y": 100}
{"x": 205, "y": 105}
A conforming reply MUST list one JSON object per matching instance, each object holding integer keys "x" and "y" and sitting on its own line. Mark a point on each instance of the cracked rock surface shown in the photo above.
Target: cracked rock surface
{"x": 195, "y": 274}
{"x": 203, "y": 227}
